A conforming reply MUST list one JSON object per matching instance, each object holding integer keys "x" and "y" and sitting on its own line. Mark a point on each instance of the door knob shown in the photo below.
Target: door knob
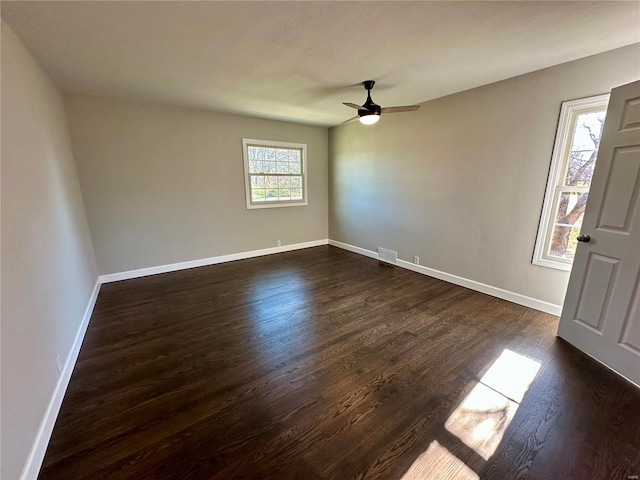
{"x": 584, "y": 238}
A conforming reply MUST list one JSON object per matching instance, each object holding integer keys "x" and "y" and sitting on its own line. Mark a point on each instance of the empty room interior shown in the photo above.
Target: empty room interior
{"x": 320, "y": 240}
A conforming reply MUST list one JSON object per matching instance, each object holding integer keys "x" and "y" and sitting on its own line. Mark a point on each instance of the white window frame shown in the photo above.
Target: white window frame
{"x": 555, "y": 183}
{"x": 246, "y": 142}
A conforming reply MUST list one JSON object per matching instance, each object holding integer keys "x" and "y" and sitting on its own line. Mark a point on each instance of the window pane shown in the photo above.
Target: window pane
{"x": 588, "y": 130}
{"x": 257, "y": 181}
{"x": 295, "y": 155}
{"x": 269, "y": 167}
{"x": 567, "y": 224}
{"x": 571, "y": 207}
{"x": 271, "y": 188}
{"x": 295, "y": 167}
{"x": 296, "y": 188}
{"x": 564, "y": 241}
{"x": 270, "y": 181}
{"x": 271, "y": 194}
{"x": 282, "y": 155}
{"x": 580, "y": 168}
{"x": 257, "y": 194}
{"x": 584, "y": 148}
{"x": 284, "y": 182}
{"x": 274, "y": 160}
{"x": 254, "y": 153}
{"x": 283, "y": 167}
{"x": 295, "y": 182}
{"x": 270, "y": 154}
{"x": 284, "y": 194}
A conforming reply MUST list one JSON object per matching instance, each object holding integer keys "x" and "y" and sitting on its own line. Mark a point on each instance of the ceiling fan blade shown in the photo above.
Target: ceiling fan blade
{"x": 353, "y": 105}
{"x": 350, "y": 120}
{"x": 407, "y": 108}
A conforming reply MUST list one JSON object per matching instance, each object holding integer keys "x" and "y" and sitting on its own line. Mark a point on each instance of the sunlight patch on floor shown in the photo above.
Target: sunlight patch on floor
{"x": 511, "y": 374}
{"x": 437, "y": 463}
{"x": 480, "y": 421}
{"x": 484, "y": 415}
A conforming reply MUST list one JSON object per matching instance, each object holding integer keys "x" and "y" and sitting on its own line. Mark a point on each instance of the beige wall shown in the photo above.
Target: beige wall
{"x": 164, "y": 184}
{"x": 460, "y": 183}
{"x": 48, "y": 269}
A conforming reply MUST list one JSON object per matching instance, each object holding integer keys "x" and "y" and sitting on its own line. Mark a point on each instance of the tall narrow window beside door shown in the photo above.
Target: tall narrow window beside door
{"x": 574, "y": 157}
{"x": 275, "y": 173}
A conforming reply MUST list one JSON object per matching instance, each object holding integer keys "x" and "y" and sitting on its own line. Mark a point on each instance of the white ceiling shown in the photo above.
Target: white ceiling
{"x": 298, "y": 61}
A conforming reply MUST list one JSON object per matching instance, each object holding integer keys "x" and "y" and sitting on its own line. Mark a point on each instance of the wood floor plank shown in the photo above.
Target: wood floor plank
{"x": 323, "y": 364}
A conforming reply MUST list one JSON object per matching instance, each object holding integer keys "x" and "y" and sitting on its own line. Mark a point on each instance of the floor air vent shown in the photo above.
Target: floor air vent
{"x": 388, "y": 256}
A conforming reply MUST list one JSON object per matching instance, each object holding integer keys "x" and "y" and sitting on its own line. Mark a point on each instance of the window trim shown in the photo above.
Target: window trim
{"x": 246, "y": 142}
{"x": 559, "y": 160}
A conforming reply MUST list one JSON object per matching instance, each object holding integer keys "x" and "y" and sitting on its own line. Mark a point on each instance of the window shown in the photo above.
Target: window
{"x": 275, "y": 173}
{"x": 572, "y": 164}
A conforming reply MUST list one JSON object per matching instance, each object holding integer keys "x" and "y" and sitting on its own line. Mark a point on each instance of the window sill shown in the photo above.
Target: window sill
{"x": 276, "y": 205}
{"x": 543, "y": 262}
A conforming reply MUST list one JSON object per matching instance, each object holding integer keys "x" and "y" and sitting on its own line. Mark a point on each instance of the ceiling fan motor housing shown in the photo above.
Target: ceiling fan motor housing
{"x": 369, "y": 107}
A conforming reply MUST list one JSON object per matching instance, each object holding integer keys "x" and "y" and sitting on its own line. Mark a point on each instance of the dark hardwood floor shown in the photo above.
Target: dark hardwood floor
{"x": 323, "y": 364}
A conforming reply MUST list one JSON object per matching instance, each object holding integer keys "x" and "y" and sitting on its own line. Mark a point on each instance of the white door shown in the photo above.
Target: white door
{"x": 601, "y": 313}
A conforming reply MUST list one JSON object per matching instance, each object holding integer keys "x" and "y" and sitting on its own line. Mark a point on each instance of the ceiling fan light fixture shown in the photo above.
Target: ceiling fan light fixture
{"x": 369, "y": 113}
{"x": 369, "y": 118}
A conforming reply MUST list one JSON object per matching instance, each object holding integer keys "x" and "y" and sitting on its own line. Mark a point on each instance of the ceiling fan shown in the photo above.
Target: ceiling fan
{"x": 369, "y": 113}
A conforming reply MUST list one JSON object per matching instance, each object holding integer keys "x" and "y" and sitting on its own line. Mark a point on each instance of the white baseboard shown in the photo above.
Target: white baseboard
{"x": 172, "y": 267}
{"x": 38, "y": 449}
{"x": 463, "y": 282}
{"x": 354, "y": 249}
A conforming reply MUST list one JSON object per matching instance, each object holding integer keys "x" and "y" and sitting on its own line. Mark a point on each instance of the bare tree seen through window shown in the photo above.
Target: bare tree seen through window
{"x": 571, "y": 204}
